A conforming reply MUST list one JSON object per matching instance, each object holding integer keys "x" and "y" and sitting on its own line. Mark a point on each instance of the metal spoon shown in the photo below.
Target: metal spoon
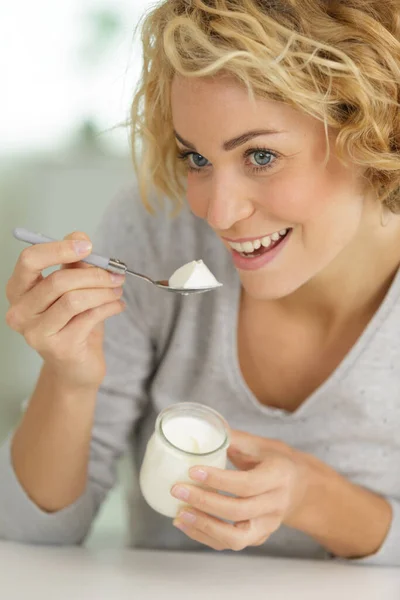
{"x": 109, "y": 264}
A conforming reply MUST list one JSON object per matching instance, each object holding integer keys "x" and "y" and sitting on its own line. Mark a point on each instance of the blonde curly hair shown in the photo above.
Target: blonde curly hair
{"x": 338, "y": 61}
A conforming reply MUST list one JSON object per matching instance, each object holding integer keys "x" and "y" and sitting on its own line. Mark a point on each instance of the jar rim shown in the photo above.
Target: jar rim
{"x": 201, "y": 408}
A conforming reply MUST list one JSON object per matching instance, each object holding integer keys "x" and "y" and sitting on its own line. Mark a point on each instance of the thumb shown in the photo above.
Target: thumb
{"x": 245, "y": 451}
{"x": 241, "y": 461}
{"x": 77, "y": 235}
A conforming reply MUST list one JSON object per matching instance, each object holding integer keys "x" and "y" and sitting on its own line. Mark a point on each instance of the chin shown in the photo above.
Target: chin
{"x": 269, "y": 288}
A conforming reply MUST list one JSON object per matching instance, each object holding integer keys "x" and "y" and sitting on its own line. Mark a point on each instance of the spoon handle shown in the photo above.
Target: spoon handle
{"x": 93, "y": 259}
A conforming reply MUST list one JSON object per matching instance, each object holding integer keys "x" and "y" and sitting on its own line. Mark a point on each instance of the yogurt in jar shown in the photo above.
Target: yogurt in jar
{"x": 186, "y": 434}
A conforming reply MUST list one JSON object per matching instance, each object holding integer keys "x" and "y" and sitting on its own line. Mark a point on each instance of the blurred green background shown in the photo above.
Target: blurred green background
{"x": 68, "y": 70}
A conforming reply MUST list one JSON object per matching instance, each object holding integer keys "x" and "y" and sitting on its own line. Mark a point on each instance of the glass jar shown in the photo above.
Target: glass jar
{"x": 186, "y": 434}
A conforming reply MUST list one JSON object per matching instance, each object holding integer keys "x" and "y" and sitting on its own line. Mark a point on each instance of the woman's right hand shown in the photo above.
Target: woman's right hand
{"x": 61, "y": 316}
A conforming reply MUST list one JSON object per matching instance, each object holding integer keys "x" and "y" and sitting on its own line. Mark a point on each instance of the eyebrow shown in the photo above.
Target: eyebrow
{"x": 234, "y": 142}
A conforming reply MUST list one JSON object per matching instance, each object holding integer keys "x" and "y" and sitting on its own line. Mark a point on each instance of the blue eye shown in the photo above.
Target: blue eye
{"x": 198, "y": 160}
{"x": 261, "y": 158}
{"x": 194, "y": 161}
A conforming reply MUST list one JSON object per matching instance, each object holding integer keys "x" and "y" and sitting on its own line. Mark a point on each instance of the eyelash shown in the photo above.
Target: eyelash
{"x": 185, "y": 155}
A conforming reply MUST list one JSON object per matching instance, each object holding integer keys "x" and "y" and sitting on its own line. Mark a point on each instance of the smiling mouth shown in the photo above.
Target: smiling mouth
{"x": 260, "y": 246}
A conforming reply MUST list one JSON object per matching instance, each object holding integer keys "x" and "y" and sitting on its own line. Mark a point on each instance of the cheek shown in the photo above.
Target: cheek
{"x": 302, "y": 198}
{"x": 196, "y": 195}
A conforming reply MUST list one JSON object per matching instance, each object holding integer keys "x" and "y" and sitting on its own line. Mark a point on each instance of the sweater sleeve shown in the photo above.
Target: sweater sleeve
{"x": 121, "y": 401}
{"x": 389, "y": 553}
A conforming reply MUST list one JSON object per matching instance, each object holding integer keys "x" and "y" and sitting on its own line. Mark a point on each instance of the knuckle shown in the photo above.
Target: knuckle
{"x": 207, "y": 528}
{"x": 240, "y": 511}
{"x": 76, "y": 235}
{"x": 238, "y": 544}
{"x": 100, "y": 276}
{"x": 261, "y": 541}
{"x": 65, "y": 249}
{"x": 73, "y": 301}
{"x": 200, "y": 499}
{"x": 96, "y": 313}
{"x": 12, "y": 318}
{"x": 215, "y": 544}
{"x": 218, "y": 547}
{"x": 26, "y": 257}
{"x": 62, "y": 252}
{"x": 55, "y": 281}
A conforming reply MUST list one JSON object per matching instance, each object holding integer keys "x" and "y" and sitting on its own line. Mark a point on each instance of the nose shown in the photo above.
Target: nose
{"x": 228, "y": 202}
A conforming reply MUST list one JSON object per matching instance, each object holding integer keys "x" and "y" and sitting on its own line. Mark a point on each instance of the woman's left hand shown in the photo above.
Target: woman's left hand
{"x": 268, "y": 490}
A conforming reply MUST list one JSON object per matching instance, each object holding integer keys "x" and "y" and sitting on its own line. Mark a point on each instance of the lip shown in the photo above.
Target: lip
{"x": 253, "y": 264}
{"x": 252, "y": 239}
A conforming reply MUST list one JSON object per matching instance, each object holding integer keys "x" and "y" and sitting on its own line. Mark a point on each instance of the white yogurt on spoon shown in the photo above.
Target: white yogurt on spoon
{"x": 193, "y": 275}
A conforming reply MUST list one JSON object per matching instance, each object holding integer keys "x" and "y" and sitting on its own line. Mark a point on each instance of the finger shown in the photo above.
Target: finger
{"x": 254, "y": 446}
{"x": 81, "y": 326}
{"x": 54, "y": 286}
{"x": 72, "y": 304}
{"x": 83, "y": 265}
{"x": 226, "y": 507}
{"x": 75, "y": 333}
{"x": 77, "y": 235}
{"x": 262, "y": 478}
{"x": 243, "y": 462}
{"x": 233, "y": 536}
{"x": 34, "y": 259}
{"x": 198, "y": 536}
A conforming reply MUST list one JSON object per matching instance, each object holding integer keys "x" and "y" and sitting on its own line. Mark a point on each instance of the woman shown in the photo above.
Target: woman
{"x": 276, "y": 125}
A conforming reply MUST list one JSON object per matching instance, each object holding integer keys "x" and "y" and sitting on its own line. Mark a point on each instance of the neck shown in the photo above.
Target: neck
{"x": 355, "y": 282}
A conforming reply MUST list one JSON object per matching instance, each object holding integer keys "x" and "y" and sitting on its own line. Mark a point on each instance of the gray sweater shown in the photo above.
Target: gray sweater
{"x": 167, "y": 348}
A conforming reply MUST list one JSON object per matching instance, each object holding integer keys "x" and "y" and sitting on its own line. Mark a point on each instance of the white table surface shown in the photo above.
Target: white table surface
{"x": 39, "y": 573}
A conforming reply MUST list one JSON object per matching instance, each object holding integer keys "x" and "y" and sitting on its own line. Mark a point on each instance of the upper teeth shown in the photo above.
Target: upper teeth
{"x": 266, "y": 241}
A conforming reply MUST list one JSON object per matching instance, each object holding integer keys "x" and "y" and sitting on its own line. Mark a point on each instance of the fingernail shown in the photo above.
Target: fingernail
{"x": 118, "y": 291}
{"x": 180, "y": 493}
{"x": 198, "y": 474}
{"x": 82, "y": 247}
{"x": 188, "y": 517}
{"x": 116, "y": 278}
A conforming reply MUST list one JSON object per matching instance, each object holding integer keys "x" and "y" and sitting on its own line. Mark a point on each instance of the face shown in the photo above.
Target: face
{"x": 257, "y": 174}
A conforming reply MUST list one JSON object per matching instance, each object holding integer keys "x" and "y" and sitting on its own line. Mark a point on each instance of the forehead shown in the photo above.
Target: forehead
{"x": 222, "y": 104}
